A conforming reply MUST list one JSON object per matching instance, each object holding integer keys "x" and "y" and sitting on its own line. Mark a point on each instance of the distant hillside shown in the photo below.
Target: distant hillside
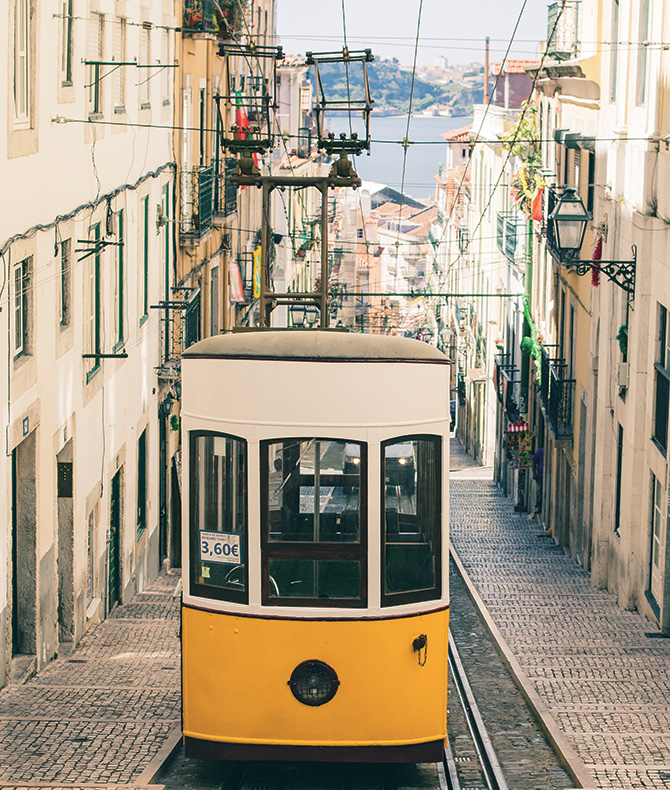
{"x": 390, "y": 87}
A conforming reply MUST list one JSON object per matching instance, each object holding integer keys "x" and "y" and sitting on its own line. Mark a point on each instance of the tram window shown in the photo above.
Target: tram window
{"x": 323, "y": 579}
{"x": 411, "y": 494}
{"x": 314, "y": 491}
{"x": 313, "y": 505}
{"x": 218, "y": 528}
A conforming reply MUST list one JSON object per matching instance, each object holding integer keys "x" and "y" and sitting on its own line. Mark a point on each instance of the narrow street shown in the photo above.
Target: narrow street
{"x": 599, "y": 675}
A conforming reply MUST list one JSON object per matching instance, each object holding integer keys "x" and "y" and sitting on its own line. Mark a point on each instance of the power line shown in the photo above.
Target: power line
{"x": 511, "y": 143}
{"x": 472, "y": 143}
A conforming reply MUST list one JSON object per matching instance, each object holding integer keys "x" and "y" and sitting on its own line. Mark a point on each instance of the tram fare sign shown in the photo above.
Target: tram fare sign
{"x": 221, "y": 547}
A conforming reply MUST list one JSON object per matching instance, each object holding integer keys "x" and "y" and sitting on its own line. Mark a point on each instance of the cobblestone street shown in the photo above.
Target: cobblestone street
{"x": 102, "y": 715}
{"x": 107, "y": 713}
{"x": 603, "y": 673}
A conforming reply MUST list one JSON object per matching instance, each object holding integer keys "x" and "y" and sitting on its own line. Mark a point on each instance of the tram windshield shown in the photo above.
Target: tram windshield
{"x": 312, "y": 506}
{"x": 412, "y": 519}
{"x": 219, "y": 516}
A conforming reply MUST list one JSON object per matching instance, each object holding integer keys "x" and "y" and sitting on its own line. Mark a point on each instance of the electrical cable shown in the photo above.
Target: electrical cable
{"x": 511, "y": 143}
{"x": 472, "y": 143}
{"x": 84, "y": 206}
{"x": 409, "y": 115}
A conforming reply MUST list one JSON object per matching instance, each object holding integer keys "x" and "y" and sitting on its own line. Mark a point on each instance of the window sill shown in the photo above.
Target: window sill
{"x": 66, "y": 84}
{"x": 662, "y": 450}
{"x": 145, "y": 106}
{"x": 95, "y": 116}
{"x": 119, "y": 111}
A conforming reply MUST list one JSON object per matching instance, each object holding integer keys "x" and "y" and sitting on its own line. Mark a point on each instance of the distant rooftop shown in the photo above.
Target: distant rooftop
{"x": 514, "y": 66}
{"x": 458, "y": 135}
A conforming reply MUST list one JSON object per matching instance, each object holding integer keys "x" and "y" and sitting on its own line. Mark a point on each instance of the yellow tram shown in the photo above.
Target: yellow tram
{"x": 315, "y": 572}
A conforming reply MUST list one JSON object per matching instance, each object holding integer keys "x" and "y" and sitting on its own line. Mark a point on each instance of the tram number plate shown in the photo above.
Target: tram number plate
{"x": 221, "y": 547}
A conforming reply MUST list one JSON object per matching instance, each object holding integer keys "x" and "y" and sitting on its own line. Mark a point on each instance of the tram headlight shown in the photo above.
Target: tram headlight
{"x": 313, "y": 683}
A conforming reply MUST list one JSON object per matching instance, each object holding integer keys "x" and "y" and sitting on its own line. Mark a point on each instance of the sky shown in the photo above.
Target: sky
{"x": 456, "y": 30}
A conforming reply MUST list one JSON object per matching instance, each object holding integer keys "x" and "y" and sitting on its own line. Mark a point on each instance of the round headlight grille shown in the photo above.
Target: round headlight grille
{"x": 313, "y": 682}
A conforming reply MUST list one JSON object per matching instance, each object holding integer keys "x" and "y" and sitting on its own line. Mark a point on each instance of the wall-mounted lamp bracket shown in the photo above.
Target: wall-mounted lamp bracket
{"x": 621, "y": 273}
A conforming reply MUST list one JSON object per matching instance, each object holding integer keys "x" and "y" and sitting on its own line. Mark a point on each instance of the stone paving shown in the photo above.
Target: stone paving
{"x": 605, "y": 680}
{"x": 100, "y": 716}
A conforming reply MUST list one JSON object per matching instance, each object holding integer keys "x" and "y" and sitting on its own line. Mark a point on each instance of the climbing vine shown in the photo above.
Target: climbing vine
{"x": 523, "y": 142}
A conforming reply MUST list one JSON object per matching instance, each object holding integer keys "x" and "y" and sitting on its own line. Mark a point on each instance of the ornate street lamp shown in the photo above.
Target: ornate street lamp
{"x": 569, "y": 219}
{"x": 565, "y": 233}
{"x": 298, "y": 313}
{"x": 311, "y": 315}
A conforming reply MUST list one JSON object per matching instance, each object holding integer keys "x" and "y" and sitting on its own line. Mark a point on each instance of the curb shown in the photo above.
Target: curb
{"x": 153, "y": 770}
{"x": 566, "y": 753}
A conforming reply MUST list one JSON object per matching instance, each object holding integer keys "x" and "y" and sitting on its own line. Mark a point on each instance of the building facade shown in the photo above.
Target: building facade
{"x": 589, "y": 342}
{"x": 84, "y": 260}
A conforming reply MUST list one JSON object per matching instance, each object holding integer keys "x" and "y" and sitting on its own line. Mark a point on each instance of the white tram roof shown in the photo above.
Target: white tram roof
{"x": 317, "y": 345}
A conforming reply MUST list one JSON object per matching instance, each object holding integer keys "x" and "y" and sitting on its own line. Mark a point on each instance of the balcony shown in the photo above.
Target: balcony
{"x": 463, "y": 240}
{"x": 220, "y": 18}
{"x": 565, "y": 41}
{"x": 557, "y": 394}
{"x": 197, "y": 198}
{"x": 304, "y": 146}
{"x": 507, "y": 388}
{"x": 225, "y": 194}
{"x": 180, "y": 328}
{"x": 510, "y": 235}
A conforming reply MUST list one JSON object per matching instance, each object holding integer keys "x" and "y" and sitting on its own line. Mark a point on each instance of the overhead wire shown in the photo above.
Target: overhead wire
{"x": 462, "y": 181}
{"x": 511, "y": 143}
{"x": 472, "y": 143}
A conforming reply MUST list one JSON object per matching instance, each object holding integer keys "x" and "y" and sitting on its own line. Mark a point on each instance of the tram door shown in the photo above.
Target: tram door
{"x": 114, "y": 591}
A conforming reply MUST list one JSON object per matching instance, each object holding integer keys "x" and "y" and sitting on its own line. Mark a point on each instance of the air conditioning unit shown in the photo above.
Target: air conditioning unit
{"x": 622, "y": 374}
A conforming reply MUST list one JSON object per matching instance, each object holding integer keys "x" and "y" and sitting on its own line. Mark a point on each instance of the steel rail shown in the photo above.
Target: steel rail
{"x": 493, "y": 774}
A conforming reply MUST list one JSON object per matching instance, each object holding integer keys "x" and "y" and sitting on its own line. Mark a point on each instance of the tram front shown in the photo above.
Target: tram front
{"x": 315, "y": 603}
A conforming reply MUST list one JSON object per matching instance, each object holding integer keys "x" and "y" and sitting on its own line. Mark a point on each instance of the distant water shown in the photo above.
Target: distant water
{"x": 385, "y": 162}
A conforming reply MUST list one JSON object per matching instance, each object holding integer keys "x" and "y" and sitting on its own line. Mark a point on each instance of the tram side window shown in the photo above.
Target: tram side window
{"x": 412, "y": 498}
{"x": 313, "y": 507}
{"x": 218, "y": 528}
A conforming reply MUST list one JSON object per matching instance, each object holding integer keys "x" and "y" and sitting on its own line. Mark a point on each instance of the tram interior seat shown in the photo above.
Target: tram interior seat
{"x": 342, "y": 526}
{"x": 403, "y": 527}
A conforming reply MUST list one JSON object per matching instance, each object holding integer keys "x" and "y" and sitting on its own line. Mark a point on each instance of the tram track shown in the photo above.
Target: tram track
{"x": 490, "y": 766}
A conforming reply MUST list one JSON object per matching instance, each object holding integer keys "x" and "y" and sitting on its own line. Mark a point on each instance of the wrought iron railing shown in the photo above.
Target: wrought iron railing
{"x": 557, "y": 393}
{"x": 563, "y": 22}
{"x": 501, "y": 362}
{"x": 508, "y": 225}
{"x": 463, "y": 240}
{"x": 179, "y": 325}
{"x": 225, "y": 193}
{"x": 197, "y": 198}
{"x": 304, "y": 147}
{"x": 245, "y": 260}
